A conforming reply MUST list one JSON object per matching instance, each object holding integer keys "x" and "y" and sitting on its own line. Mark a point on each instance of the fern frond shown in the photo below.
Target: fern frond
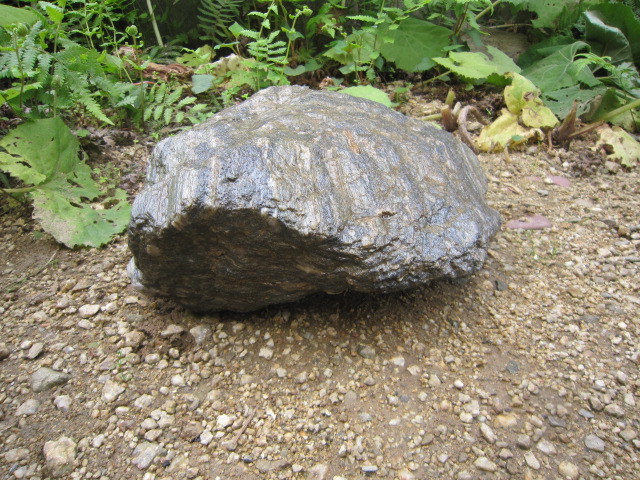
{"x": 214, "y": 18}
{"x": 93, "y": 107}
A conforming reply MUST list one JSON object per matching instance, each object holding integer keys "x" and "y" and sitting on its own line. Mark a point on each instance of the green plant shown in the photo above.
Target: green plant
{"x": 215, "y": 17}
{"x": 166, "y": 105}
{"x": 67, "y": 202}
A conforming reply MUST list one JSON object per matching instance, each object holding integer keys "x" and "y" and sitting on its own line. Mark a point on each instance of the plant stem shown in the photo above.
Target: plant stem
{"x": 487, "y": 10}
{"x": 17, "y": 50}
{"x": 11, "y": 191}
{"x": 618, "y": 111}
{"x": 155, "y": 24}
{"x": 433, "y": 79}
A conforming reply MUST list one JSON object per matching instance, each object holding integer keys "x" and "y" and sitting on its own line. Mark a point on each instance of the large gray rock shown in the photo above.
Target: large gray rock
{"x": 297, "y": 191}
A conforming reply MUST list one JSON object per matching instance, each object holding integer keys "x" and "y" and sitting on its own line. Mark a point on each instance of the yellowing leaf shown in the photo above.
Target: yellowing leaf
{"x": 621, "y": 146}
{"x": 536, "y": 115}
{"x": 523, "y": 98}
{"x": 516, "y": 94}
{"x": 503, "y": 131}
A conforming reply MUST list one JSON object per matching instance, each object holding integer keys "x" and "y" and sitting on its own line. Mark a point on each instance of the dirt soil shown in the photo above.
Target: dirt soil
{"x": 528, "y": 369}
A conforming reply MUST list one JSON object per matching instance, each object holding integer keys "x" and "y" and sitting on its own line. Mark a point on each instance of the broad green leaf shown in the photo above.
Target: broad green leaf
{"x": 370, "y": 93}
{"x": 198, "y": 57}
{"x": 414, "y": 43}
{"x": 311, "y": 66}
{"x": 551, "y": 12}
{"x": 292, "y": 72}
{"x": 613, "y": 30}
{"x": 559, "y": 71}
{"x": 60, "y": 209}
{"x": 621, "y": 146}
{"x": 11, "y": 15}
{"x": 477, "y": 65}
{"x": 543, "y": 49}
{"x": 357, "y": 48}
{"x": 201, "y": 83}
{"x": 561, "y": 101}
{"x": 44, "y": 153}
{"x": 34, "y": 151}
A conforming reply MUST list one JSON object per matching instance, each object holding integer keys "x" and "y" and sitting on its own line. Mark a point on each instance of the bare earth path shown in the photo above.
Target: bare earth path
{"x": 527, "y": 370}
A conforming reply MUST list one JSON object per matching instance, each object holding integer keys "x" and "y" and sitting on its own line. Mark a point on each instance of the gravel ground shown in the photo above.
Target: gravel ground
{"x": 529, "y": 369}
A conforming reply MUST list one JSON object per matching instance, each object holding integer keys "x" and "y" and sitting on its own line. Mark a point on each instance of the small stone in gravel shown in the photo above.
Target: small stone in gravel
{"x": 318, "y": 471}
{"x": 223, "y": 421}
{"x": 614, "y": 410}
{"x": 172, "y": 329}
{"x": 265, "y": 466}
{"x": 585, "y": 413}
{"x": 568, "y": 470}
{"x": 200, "y": 333}
{"x": 29, "y": 407}
{"x": 434, "y": 381}
{"x": 266, "y": 353}
{"x": 206, "y": 437}
{"x": 532, "y": 461}
{"x": 366, "y": 351}
{"x": 398, "y": 361}
{"x": 546, "y": 447}
{"x": 60, "y": 456}
{"x": 97, "y": 441}
{"x": 143, "y": 401}
{"x": 35, "y": 351}
{"x": 628, "y": 434}
{"x": 595, "y": 443}
{"x": 144, "y": 454}
{"x": 45, "y": 378}
{"x": 134, "y": 338}
{"x": 89, "y": 310}
{"x": 366, "y": 469}
{"x": 177, "y": 380}
{"x": 16, "y": 455}
{"x": 111, "y": 391}
{"x": 523, "y": 441}
{"x": 5, "y": 351}
{"x": 488, "y": 433}
{"x": 484, "y": 464}
{"x": 512, "y": 367}
{"x": 459, "y": 384}
{"x": 506, "y": 420}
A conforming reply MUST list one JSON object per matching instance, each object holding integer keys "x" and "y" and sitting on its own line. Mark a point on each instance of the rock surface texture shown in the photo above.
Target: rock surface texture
{"x": 295, "y": 192}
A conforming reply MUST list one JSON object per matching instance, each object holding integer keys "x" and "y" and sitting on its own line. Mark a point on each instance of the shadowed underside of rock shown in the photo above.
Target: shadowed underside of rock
{"x": 297, "y": 191}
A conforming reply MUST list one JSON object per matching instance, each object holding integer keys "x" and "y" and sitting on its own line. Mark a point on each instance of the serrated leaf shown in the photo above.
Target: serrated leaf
{"x": 558, "y": 70}
{"x": 363, "y": 18}
{"x": 414, "y": 43}
{"x": 370, "y": 93}
{"x": 477, "y": 65}
{"x": 621, "y": 146}
{"x": 58, "y": 207}
{"x": 11, "y": 15}
{"x": 561, "y": 101}
{"x": 35, "y": 150}
{"x": 47, "y": 152}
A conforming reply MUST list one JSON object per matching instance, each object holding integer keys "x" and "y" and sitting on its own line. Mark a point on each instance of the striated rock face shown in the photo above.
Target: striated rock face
{"x": 297, "y": 191}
